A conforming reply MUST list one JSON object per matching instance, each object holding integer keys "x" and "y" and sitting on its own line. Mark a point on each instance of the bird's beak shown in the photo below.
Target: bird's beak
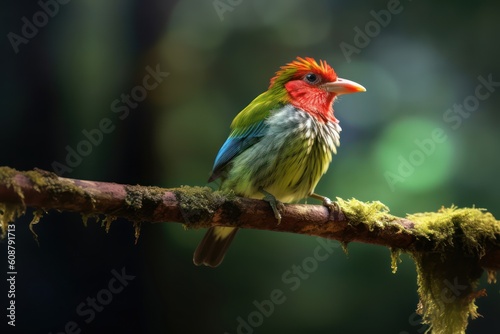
{"x": 343, "y": 86}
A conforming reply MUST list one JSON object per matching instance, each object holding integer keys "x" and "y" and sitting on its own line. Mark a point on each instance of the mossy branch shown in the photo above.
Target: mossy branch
{"x": 200, "y": 207}
{"x": 458, "y": 241}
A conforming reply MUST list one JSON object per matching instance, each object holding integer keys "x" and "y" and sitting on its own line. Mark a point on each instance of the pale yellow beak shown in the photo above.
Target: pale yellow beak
{"x": 343, "y": 86}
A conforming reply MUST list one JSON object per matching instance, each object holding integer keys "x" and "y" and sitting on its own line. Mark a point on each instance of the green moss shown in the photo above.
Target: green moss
{"x": 473, "y": 227}
{"x": 9, "y": 211}
{"x": 143, "y": 200}
{"x": 7, "y": 177}
{"x": 446, "y": 286}
{"x": 395, "y": 259}
{"x": 137, "y": 231}
{"x": 37, "y": 215}
{"x": 451, "y": 243}
{"x": 373, "y": 214}
{"x": 85, "y": 219}
{"x": 492, "y": 276}
{"x": 8, "y": 214}
{"x": 53, "y": 184}
{"x": 449, "y": 272}
{"x": 107, "y": 222}
{"x": 198, "y": 204}
{"x": 134, "y": 197}
{"x": 40, "y": 178}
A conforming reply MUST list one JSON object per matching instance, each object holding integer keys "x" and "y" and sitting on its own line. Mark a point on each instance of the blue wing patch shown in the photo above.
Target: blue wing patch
{"x": 237, "y": 142}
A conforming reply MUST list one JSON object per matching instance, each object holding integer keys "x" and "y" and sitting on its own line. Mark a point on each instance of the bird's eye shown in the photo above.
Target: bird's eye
{"x": 311, "y": 78}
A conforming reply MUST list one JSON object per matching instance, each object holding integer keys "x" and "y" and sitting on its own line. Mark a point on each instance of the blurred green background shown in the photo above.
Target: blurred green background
{"x": 419, "y": 64}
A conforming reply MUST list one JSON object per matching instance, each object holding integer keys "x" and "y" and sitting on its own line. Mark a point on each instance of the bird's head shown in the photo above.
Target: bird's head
{"x": 311, "y": 86}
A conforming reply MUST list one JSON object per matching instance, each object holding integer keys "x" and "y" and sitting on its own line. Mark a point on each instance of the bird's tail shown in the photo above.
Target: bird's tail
{"x": 212, "y": 248}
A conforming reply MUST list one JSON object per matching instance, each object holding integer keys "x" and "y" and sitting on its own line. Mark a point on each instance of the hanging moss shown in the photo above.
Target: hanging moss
{"x": 9, "y": 211}
{"x": 395, "y": 259}
{"x": 8, "y": 214}
{"x": 446, "y": 286}
{"x": 37, "y": 215}
{"x": 448, "y": 270}
{"x": 137, "y": 231}
{"x": 107, "y": 222}
{"x": 448, "y": 274}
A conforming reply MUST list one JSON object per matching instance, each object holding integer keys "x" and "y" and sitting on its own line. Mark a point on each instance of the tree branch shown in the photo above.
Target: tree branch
{"x": 451, "y": 245}
{"x": 199, "y": 207}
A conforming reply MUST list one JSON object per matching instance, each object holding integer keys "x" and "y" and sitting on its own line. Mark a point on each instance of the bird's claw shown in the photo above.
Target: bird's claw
{"x": 276, "y": 205}
{"x": 332, "y": 206}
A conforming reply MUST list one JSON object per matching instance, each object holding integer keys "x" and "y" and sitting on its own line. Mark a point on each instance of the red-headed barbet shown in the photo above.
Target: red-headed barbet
{"x": 280, "y": 145}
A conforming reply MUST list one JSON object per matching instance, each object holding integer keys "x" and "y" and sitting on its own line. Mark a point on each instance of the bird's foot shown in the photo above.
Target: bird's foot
{"x": 276, "y": 205}
{"x": 332, "y": 206}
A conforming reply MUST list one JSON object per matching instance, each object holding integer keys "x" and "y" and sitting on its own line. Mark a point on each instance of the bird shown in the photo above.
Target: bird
{"x": 279, "y": 146}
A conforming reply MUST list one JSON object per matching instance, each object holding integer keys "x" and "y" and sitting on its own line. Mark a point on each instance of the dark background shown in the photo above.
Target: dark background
{"x": 64, "y": 80}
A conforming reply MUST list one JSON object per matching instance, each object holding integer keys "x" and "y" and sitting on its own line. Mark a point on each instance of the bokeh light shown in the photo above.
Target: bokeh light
{"x": 415, "y": 154}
